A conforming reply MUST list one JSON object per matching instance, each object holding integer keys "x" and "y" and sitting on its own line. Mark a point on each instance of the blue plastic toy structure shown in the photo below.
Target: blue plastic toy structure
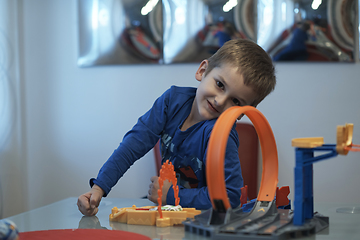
{"x": 304, "y": 199}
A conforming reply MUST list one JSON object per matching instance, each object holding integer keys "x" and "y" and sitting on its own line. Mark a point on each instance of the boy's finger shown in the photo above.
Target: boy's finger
{"x": 93, "y": 211}
{"x": 152, "y": 198}
{"x": 86, "y": 210}
{"x": 83, "y": 202}
{"x": 153, "y": 178}
{"x": 94, "y": 201}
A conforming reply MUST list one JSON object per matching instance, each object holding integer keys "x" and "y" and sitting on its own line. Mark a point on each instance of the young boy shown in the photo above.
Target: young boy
{"x": 240, "y": 73}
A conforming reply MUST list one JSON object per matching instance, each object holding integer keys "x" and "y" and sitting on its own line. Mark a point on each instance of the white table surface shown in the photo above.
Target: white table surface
{"x": 65, "y": 215}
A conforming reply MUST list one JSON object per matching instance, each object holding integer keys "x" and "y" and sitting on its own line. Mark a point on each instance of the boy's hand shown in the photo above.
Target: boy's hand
{"x": 154, "y": 187}
{"x": 88, "y": 203}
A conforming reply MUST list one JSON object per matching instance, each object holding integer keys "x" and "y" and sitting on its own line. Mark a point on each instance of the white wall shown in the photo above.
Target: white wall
{"x": 73, "y": 118}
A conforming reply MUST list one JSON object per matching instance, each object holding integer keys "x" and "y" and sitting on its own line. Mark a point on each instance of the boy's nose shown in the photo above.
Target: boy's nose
{"x": 220, "y": 100}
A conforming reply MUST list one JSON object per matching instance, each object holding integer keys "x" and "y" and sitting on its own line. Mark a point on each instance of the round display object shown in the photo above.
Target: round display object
{"x": 8, "y": 230}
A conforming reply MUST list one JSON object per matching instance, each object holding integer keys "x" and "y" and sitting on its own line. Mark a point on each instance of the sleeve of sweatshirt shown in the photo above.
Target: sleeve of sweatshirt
{"x": 135, "y": 144}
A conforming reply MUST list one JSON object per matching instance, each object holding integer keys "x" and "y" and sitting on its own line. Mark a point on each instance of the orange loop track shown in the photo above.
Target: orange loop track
{"x": 217, "y": 148}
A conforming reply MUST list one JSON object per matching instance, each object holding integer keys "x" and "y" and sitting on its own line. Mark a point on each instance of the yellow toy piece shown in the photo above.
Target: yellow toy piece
{"x": 307, "y": 142}
{"x": 150, "y": 215}
{"x": 344, "y": 136}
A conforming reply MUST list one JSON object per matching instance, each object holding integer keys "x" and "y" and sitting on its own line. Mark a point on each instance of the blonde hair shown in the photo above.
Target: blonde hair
{"x": 253, "y": 63}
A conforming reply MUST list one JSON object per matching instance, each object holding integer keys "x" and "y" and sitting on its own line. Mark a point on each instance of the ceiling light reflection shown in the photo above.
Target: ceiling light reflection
{"x": 148, "y": 7}
{"x": 229, "y": 5}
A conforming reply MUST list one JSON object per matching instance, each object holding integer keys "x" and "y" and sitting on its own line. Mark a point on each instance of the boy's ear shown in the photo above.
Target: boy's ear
{"x": 201, "y": 70}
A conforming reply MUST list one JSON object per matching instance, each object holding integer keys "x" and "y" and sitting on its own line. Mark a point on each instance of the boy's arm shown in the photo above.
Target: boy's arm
{"x": 136, "y": 143}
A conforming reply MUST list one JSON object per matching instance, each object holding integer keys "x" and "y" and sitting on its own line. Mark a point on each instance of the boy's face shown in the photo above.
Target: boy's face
{"x": 221, "y": 88}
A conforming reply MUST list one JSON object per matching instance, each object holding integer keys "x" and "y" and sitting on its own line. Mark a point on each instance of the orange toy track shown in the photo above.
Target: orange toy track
{"x": 216, "y": 154}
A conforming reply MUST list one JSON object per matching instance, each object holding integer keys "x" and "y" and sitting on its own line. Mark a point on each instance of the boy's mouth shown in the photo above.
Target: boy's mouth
{"x": 212, "y": 108}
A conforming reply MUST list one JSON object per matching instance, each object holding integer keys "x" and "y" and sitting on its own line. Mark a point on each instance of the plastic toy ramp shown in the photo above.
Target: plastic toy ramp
{"x": 264, "y": 221}
{"x": 150, "y": 215}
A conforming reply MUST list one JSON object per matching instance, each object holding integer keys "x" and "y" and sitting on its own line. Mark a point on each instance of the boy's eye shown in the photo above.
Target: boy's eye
{"x": 236, "y": 102}
{"x": 219, "y": 84}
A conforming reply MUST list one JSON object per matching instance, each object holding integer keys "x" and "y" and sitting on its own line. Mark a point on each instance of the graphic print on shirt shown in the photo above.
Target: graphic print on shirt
{"x": 188, "y": 169}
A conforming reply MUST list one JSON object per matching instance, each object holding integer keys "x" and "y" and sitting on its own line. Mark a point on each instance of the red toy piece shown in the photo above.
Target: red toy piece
{"x": 244, "y": 195}
{"x": 282, "y": 196}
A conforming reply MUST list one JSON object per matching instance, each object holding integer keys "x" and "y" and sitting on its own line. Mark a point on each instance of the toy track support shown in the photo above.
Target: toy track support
{"x": 216, "y": 154}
